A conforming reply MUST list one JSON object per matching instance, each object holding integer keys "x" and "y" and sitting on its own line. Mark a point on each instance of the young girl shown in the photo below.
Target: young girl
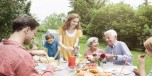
{"x": 69, "y": 35}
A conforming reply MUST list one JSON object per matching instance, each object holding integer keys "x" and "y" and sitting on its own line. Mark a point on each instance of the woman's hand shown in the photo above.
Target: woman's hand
{"x": 69, "y": 48}
{"x": 75, "y": 45}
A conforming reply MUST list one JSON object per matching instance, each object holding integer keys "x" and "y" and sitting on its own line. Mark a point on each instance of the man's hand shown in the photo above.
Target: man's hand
{"x": 110, "y": 56}
{"x": 37, "y": 52}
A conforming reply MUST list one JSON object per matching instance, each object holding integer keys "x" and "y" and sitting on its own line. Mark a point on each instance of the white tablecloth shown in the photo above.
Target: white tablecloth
{"x": 68, "y": 72}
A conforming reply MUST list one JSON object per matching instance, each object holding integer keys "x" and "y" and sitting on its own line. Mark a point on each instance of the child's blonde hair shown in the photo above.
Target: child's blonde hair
{"x": 148, "y": 44}
{"x": 32, "y": 45}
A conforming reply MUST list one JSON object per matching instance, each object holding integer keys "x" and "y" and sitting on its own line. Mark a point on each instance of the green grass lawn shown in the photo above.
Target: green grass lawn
{"x": 135, "y": 54}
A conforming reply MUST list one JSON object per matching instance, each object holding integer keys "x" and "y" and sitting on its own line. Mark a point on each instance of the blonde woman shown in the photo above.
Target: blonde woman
{"x": 69, "y": 35}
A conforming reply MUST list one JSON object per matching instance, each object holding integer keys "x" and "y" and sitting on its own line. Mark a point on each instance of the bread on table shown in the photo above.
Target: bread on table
{"x": 93, "y": 71}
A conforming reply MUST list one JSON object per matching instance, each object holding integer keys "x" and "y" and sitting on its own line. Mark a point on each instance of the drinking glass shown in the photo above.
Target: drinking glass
{"x": 71, "y": 63}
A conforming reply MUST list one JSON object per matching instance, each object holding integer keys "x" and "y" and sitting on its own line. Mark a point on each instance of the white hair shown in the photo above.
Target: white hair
{"x": 111, "y": 32}
{"x": 91, "y": 40}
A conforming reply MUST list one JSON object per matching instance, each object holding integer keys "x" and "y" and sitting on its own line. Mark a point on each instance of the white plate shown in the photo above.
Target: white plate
{"x": 118, "y": 70}
{"x": 58, "y": 68}
{"x": 36, "y": 58}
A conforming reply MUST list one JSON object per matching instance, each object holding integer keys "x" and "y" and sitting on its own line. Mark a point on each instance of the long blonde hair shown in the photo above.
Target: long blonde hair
{"x": 69, "y": 18}
{"x": 148, "y": 44}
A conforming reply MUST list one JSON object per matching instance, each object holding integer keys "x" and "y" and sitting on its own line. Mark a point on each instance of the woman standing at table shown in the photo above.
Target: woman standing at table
{"x": 69, "y": 35}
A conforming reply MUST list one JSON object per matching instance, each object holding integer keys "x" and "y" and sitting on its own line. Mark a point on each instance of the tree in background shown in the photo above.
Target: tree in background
{"x": 10, "y": 9}
{"x": 115, "y": 16}
{"x": 143, "y": 21}
{"x": 86, "y": 8}
{"x": 54, "y": 21}
{"x": 132, "y": 26}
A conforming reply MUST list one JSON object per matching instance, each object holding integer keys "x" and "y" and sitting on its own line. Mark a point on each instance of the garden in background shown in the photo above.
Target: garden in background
{"x": 133, "y": 25}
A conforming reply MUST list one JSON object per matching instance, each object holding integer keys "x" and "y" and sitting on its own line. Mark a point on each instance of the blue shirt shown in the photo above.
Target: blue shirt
{"x": 52, "y": 48}
{"x": 122, "y": 51}
{"x": 150, "y": 74}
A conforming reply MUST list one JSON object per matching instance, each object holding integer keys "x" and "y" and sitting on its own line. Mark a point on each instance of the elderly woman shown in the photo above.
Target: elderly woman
{"x": 141, "y": 58}
{"x": 93, "y": 44}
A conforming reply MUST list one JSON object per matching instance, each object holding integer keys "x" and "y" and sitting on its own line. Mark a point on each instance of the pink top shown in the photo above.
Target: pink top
{"x": 89, "y": 52}
{"x": 15, "y": 61}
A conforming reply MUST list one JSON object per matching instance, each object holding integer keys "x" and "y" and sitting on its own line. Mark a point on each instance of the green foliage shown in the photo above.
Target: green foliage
{"x": 115, "y": 16}
{"x": 10, "y": 9}
{"x": 53, "y": 21}
{"x": 132, "y": 27}
{"x": 86, "y": 8}
{"x": 144, "y": 23}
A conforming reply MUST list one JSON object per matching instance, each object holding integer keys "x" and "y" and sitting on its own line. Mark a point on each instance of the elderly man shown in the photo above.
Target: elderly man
{"x": 14, "y": 59}
{"x": 117, "y": 51}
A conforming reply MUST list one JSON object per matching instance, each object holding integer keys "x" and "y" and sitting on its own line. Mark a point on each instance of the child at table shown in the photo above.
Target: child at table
{"x": 52, "y": 47}
{"x": 141, "y": 58}
{"x": 34, "y": 47}
{"x": 34, "y": 50}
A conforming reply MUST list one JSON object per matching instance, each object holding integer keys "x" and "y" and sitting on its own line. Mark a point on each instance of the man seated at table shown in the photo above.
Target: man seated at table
{"x": 117, "y": 51}
{"x": 14, "y": 59}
